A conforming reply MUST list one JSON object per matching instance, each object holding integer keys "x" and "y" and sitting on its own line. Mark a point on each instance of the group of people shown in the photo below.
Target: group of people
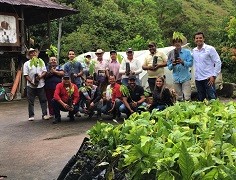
{"x": 110, "y": 87}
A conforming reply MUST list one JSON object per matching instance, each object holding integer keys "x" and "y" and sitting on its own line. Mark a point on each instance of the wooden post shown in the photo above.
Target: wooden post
{"x": 23, "y": 48}
{"x": 59, "y": 39}
{"x": 49, "y": 29}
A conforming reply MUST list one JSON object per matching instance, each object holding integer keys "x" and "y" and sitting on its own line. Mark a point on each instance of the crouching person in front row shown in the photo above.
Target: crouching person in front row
{"x": 113, "y": 98}
{"x": 90, "y": 96}
{"x": 66, "y": 97}
{"x": 135, "y": 98}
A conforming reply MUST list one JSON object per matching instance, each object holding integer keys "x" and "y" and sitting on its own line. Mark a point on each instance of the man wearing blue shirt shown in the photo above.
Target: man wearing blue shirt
{"x": 180, "y": 60}
{"x": 207, "y": 67}
{"x": 74, "y": 69}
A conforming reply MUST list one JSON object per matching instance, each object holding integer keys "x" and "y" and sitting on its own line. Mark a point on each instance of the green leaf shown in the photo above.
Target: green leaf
{"x": 166, "y": 175}
{"x": 186, "y": 163}
{"x": 144, "y": 139}
{"x": 211, "y": 175}
{"x": 200, "y": 171}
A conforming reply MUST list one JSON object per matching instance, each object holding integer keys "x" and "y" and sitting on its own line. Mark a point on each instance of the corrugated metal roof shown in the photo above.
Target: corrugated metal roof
{"x": 37, "y": 3}
{"x": 36, "y": 11}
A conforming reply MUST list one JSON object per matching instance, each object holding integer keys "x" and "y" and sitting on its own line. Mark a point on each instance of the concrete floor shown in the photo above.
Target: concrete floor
{"x": 36, "y": 150}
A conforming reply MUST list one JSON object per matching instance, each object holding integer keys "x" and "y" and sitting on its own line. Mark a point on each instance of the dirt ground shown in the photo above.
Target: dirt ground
{"x": 36, "y": 150}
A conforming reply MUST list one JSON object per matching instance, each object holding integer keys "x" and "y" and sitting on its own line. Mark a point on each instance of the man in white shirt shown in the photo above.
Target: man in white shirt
{"x": 130, "y": 67}
{"x": 207, "y": 67}
{"x": 34, "y": 72}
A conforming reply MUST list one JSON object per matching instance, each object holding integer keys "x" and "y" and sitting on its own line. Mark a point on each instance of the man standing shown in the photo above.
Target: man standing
{"x": 180, "y": 60}
{"x": 74, "y": 69}
{"x": 134, "y": 99}
{"x": 130, "y": 67}
{"x": 207, "y": 67}
{"x": 53, "y": 77}
{"x": 66, "y": 98}
{"x": 154, "y": 63}
{"x": 114, "y": 65}
{"x": 34, "y": 72}
{"x": 101, "y": 70}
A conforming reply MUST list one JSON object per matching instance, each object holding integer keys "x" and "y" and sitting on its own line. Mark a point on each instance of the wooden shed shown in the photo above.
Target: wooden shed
{"x": 16, "y": 17}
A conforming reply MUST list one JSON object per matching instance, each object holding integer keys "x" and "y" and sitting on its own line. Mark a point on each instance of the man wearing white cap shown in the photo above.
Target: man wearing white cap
{"x": 34, "y": 72}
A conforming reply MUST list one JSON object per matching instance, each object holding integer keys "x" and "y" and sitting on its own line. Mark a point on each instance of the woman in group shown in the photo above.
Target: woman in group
{"x": 161, "y": 95}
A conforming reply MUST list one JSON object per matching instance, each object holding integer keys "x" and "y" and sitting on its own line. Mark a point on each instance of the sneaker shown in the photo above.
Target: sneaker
{"x": 31, "y": 118}
{"x": 51, "y": 116}
{"x": 78, "y": 114}
{"x": 91, "y": 114}
{"x": 72, "y": 118}
{"x": 56, "y": 120}
{"x": 45, "y": 117}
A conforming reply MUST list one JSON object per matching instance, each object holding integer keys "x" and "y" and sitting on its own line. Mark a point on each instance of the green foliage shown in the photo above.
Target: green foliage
{"x": 52, "y": 51}
{"x": 124, "y": 90}
{"x": 227, "y": 50}
{"x": 178, "y": 35}
{"x": 190, "y": 140}
{"x": 36, "y": 62}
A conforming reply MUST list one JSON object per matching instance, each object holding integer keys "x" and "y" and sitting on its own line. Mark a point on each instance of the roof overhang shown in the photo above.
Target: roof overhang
{"x": 36, "y": 11}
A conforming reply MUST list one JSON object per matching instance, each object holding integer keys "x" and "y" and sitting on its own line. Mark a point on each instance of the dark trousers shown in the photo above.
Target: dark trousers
{"x": 31, "y": 94}
{"x": 49, "y": 95}
{"x": 108, "y": 106}
{"x": 204, "y": 90}
{"x": 152, "y": 83}
{"x": 57, "y": 107}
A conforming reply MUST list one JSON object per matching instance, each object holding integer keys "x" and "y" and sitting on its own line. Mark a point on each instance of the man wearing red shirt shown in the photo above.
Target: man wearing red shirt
{"x": 66, "y": 97}
{"x": 113, "y": 98}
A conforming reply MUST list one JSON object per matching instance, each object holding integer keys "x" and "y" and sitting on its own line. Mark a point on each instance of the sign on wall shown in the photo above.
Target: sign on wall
{"x": 9, "y": 30}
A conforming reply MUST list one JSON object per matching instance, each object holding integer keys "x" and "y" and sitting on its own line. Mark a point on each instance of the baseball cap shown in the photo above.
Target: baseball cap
{"x": 66, "y": 77}
{"x": 151, "y": 44}
{"x": 132, "y": 78}
{"x": 129, "y": 50}
{"x": 112, "y": 51}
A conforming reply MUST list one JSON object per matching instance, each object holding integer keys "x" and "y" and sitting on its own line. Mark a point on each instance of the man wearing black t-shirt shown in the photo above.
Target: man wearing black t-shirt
{"x": 135, "y": 99}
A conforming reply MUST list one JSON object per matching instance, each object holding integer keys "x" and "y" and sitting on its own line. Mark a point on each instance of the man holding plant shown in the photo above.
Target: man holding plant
{"x": 101, "y": 70}
{"x": 53, "y": 77}
{"x": 90, "y": 96}
{"x": 34, "y": 72}
{"x": 130, "y": 67}
{"x": 154, "y": 63}
{"x": 180, "y": 60}
{"x": 133, "y": 97}
{"x": 74, "y": 69}
{"x": 66, "y": 98}
{"x": 113, "y": 98}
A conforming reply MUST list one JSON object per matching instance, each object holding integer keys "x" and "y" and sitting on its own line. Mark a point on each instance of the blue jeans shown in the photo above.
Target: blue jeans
{"x": 204, "y": 90}
{"x": 160, "y": 107}
{"x": 125, "y": 110}
{"x": 31, "y": 94}
{"x": 57, "y": 107}
{"x": 108, "y": 107}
